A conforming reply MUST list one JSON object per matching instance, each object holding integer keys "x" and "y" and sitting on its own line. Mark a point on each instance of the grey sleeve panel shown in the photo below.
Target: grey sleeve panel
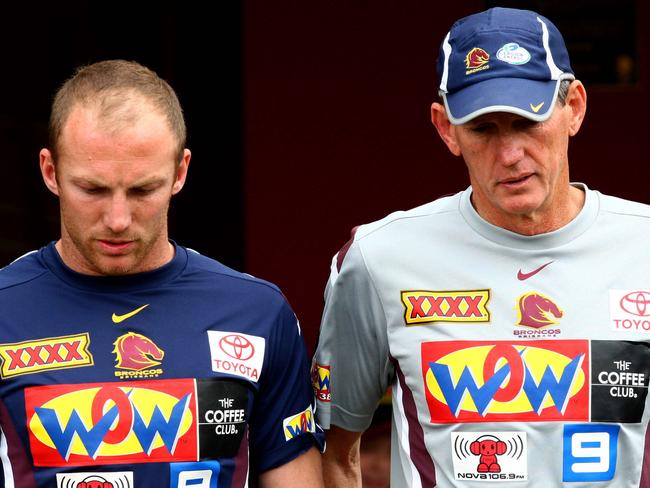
{"x": 353, "y": 343}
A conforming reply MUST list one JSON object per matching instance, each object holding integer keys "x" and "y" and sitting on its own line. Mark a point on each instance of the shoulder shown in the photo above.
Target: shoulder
{"x": 402, "y": 224}
{"x": 22, "y": 270}
{"x": 211, "y": 271}
{"x": 619, "y": 206}
{"x": 404, "y": 219}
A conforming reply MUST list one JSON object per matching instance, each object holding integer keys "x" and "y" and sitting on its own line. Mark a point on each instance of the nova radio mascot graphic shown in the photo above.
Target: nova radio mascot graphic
{"x": 488, "y": 447}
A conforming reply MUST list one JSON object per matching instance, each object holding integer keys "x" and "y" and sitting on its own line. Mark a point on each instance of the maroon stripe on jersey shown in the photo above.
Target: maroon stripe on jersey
{"x": 419, "y": 454}
{"x": 645, "y": 467}
{"x": 241, "y": 463}
{"x": 20, "y": 464}
{"x": 344, "y": 250}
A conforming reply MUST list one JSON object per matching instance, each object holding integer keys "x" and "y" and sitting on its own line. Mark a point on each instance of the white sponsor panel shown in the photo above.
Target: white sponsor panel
{"x": 490, "y": 456}
{"x": 236, "y": 353}
{"x": 513, "y": 53}
{"x": 114, "y": 479}
{"x": 629, "y": 310}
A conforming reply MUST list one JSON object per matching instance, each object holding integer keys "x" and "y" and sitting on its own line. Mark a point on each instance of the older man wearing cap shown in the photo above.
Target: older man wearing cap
{"x": 510, "y": 319}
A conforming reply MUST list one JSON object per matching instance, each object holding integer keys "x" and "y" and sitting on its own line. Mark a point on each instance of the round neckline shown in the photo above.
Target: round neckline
{"x": 148, "y": 279}
{"x": 556, "y": 238}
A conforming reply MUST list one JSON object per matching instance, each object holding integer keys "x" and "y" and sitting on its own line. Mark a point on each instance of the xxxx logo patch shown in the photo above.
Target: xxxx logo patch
{"x": 39, "y": 355}
{"x": 425, "y": 306}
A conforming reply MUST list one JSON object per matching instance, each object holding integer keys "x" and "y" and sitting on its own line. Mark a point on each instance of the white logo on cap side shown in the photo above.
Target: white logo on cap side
{"x": 446, "y": 48}
{"x": 513, "y": 53}
{"x": 555, "y": 71}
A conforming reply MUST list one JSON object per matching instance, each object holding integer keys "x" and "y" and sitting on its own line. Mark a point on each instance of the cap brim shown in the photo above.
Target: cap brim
{"x": 529, "y": 98}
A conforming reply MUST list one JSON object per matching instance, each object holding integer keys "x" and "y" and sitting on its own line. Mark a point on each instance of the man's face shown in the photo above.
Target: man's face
{"x": 114, "y": 188}
{"x": 517, "y": 167}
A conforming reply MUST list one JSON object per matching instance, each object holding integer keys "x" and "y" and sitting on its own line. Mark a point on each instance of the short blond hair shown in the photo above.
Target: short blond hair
{"x": 110, "y": 86}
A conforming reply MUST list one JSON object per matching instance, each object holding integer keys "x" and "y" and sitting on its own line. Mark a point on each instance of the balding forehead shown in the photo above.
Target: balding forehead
{"x": 87, "y": 127}
{"x": 115, "y": 112}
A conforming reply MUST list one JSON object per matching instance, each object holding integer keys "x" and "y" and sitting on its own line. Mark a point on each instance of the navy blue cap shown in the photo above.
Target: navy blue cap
{"x": 502, "y": 60}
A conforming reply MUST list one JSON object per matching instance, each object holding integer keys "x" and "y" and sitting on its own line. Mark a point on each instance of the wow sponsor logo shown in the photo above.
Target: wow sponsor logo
{"x": 490, "y": 456}
{"x": 113, "y": 479}
{"x": 482, "y": 381}
{"x": 425, "y": 306}
{"x": 620, "y": 376}
{"x": 135, "y": 355}
{"x": 629, "y": 310}
{"x": 237, "y": 354}
{"x": 299, "y": 424}
{"x": 590, "y": 452}
{"x": 45, "y": 355}
{"x": 320, "y": 378}
{"x": 134, "y": 422}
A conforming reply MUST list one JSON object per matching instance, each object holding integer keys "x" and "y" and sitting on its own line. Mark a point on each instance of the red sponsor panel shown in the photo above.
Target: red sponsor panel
{"x": 110, "y": 423}
{"x": 505, "y": 381}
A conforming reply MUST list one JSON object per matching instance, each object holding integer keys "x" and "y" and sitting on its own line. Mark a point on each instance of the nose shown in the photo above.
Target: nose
{"x": 117, "y": 216}
{"x": 509, "y": 148}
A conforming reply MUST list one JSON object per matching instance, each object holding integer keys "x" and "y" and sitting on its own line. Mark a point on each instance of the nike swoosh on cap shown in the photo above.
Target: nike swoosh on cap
{"x": 121, "y": 318}
{"x": 521, "y": 276}
{"x": 535, "y": 108}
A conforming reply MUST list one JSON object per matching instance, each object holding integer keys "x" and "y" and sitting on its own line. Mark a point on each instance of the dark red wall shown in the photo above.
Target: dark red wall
{"x": 337, "y": 130}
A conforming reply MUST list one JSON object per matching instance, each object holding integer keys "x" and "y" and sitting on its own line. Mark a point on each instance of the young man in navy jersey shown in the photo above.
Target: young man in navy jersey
{"x": 128, "y": 360}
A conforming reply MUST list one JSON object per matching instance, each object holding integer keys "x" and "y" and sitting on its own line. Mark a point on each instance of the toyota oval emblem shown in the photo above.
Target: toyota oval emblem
{"x": 237, "y": 347}
{"x": 637, "y": 303}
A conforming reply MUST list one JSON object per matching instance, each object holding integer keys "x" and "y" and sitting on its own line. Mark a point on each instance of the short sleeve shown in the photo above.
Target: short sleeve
{"x": 351, "y": 369}
{"x": 282, "y": 423}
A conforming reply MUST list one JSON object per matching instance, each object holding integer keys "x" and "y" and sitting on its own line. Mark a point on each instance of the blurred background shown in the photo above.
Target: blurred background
{"x": 305, "y": 118}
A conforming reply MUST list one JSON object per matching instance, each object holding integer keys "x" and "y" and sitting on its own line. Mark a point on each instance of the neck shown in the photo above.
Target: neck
{"x": 563, "y": 210}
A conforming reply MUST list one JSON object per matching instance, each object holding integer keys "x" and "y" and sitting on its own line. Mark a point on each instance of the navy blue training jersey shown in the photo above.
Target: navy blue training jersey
{"x": 191, "y": 375}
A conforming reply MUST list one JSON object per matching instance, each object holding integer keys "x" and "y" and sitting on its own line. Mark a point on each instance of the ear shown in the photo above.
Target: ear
{"x": 475, "y": 448}
{"x": 445, "y": 129}
{"x": 48, "y": 170}
{"x": 576, "y": 101}
{"x": 181, "y": 172}
{"x": 501, "y": 447}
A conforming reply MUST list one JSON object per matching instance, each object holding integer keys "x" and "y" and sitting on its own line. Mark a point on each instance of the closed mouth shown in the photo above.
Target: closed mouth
{"x": 516, "y": 180}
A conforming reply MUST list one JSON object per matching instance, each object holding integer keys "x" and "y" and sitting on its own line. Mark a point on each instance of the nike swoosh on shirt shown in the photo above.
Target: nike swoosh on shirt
{"x": 521, "y": 276}
{"x": 121, "y": 318}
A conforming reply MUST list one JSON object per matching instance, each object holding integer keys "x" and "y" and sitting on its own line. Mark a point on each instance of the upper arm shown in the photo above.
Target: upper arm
{"x": 352, "y": 367}
{"x": 282, "y": 424}
{"x": 305, "y": 470}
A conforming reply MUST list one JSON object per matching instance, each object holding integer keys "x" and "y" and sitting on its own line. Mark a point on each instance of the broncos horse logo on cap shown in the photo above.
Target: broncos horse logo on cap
{"x": 476, "y": 58}
{"x": 136, "y": 352}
